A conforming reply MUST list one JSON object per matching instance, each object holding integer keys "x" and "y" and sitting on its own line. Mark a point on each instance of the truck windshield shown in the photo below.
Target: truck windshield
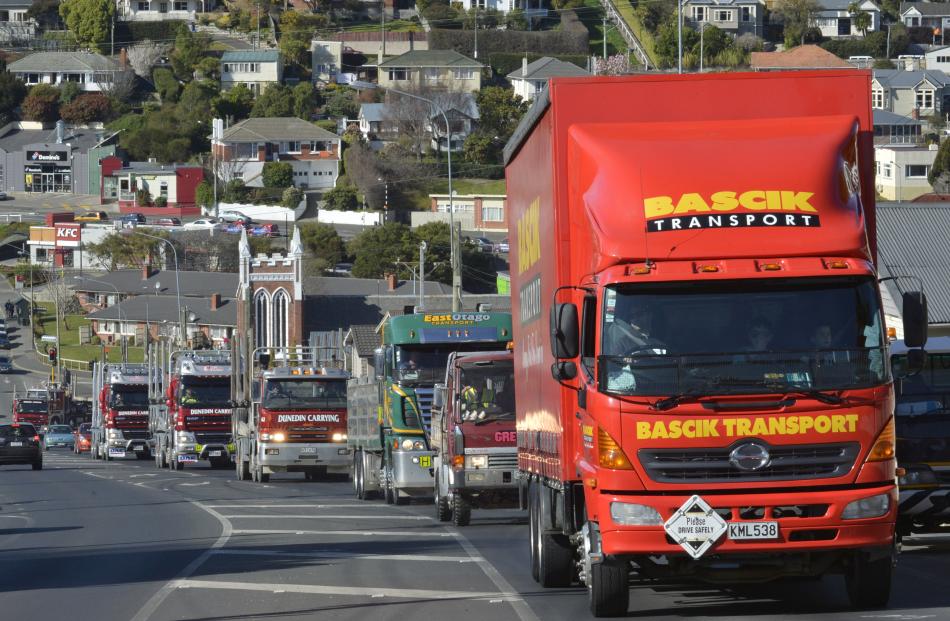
{"x": 487, "y": 392}
{"x": 205, "y": 392}
{"x": 926, "y": 392}
{"x": 126, "y": 398}
{"x": 32, "y": 407}
{"x": 425, "y": 364}
{"x": 736, "y": 337}
{"x": 304, "y": 394}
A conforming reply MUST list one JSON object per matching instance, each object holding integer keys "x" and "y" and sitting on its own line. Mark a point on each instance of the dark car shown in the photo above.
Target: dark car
{"x": 4, "y": 341}
{"x": 168, "y": 222}
{"x": 132, "y": 218}
{"x": 21, "y": 444}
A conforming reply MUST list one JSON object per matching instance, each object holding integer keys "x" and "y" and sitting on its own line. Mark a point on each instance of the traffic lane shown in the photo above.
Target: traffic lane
{"x": 95, "y": 546}
{"x": 919, "y": 587}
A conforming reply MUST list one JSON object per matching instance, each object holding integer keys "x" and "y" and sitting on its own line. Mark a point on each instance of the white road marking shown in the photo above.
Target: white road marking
{"x": 98, "y": 476}
{"x": 346, "y": 533}
{"x": 342, "y": 554}
{"x": 349, "y": 506}
{"x": 194, "y": 484}
{"x": 381, "y": 516}
{"x": 318, "y": 589}
{"x": 15, "y": 517}
{"x": 136, "y": 476}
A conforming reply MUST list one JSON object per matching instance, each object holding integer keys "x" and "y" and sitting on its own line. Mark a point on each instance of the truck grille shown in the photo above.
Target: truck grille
{"x": 503, "y": 461}
{"x": 424, "y": 399}
{"x": 135, "y": 434}
{"x": 711, "y": 465}
{"x": 213, "y": 438}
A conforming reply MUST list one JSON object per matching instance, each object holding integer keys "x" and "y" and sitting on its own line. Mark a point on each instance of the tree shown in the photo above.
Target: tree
{"x": 235, "y": 103}
{"x": 86, "y": 109}
{"x": 120, "y": 251}
{"x": 481, "y": 149}
{"x": 859, "y": 19}
{"x": 278, "y": 175}
{"x": 305, "y": 100}
{"x": 190, "y": 49}
{"x": 46, "y": 14}
{"x": 122, "y": 86}
{"x": 377, "y": 249}
{"x": 797, "y": 16}
{"x": 364, "y": 169}
{"x": 323, "y": 243}
{"x": 166, "y": 84}
{"x": 342, "y": 103}
{"x": 195, "y": 102}
{"x": 41, "y": 104}
{"x": 291, "y": 197}
{"x": 714, "y": 41}
{"x": 275, "y": 101}
{"x": 69, "y": 91}
{"x": 666, "y": 42}
{"x": 939, "y": 175}
{"x": 500, "y": 111}
{"x": 297, "y": 30}
{"x": 143, "y": 56}
{"x": 209, "y": 68}
{"x": 12, "y": 92}
{"x": 341, "y": 198}
{"x": 204, "y": 194}
{"x": 90, "y": 21}
{"x": 516, "y": 20}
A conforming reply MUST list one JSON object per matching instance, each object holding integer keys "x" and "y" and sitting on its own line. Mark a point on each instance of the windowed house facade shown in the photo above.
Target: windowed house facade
{"x": 93, "y": 72}
{"x": 914, "y": 94}
{"x": 15, "y": 24}
{"x": 255, "y": 69}
{"x": 901, "y": 171}
{"x": 733, "y": 16}
{"x": 432, "y": 69}
{"x": 159, "y": 10}
{"x": 836, "y": 21}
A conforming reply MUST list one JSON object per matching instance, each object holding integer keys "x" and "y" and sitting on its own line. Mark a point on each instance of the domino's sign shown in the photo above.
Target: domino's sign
{"x": 68, "y": 234}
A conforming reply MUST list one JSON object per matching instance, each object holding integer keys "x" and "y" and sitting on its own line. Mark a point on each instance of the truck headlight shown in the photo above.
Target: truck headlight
{"x": 872, "y": 507}
{"x": 630, "y": 514}
{"x": 339, "y": 437}
{"x": 412, "y": 445}
{"x": 115, "y": 434}
{"x": 476, "y": 461}
{"x": 186, "y": 437}
{"x": 273, "y": 437}
{"x": 918, "y": 475}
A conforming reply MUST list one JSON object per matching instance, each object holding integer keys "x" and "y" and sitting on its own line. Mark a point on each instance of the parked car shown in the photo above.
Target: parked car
{"x": 502, "y": 246}
{"x": 132, "y": 218}
{"x": 264, "y": 230}
{"x": 234, "y": 227}
{"x": 168, "y": 222}
{"x": 233, "y": 216}
{"x": 4, "y": 341}
{"x": 58, "y": 435}
{"x": 3, "y": 196}
{"x": 201, "y": 223}
{"x": 92, "y": 216}
{"x": 342, "y": 269}
{"x": 483, "y": 243}
{"x": 82, "y": 438}
{"x": 21, "y": 444}
{"x": 6, "y": 365}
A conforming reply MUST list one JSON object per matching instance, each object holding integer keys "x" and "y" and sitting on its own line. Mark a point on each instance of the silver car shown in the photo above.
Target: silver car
{"x": 59, "y": 435}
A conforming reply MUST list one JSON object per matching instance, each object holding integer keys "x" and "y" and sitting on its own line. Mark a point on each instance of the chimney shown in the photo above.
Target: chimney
{"x": 60, "y": 132}
{"x": 123, "y": 59}
{"x": 524, "y": 66}
{"x": 390, "y": 281}
{"x": 215, "y": 301}
{"x": 146, "y": 270}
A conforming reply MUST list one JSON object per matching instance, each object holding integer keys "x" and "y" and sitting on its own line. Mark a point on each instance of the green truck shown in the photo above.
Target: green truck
{"x": 389, "y": 411}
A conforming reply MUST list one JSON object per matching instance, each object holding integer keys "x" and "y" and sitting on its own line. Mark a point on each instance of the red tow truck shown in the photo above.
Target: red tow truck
{"x": 473, "y": 432}
{"x": 703, "y": 388}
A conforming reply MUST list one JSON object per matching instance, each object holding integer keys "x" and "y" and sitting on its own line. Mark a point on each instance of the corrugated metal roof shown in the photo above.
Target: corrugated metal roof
{"x": 912, "y": 241}
{"x": 365, "y": 339}
{"x": 886, "y": 117}
{"x": 842, "y": 5}
{"x": 156, "y": 308}
{"x": 62, "y": 61}
{"x": 934, "y": 9}
{"x": 547, "y": 67}
{"x": 276, "y": 129}
{"x": 430, "y": 58}
{"x": 896, "y": 78}
{"x": 251, "y": 56}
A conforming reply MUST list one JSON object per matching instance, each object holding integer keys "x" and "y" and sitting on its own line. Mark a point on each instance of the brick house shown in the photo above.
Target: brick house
{"x": 487, "y": 211}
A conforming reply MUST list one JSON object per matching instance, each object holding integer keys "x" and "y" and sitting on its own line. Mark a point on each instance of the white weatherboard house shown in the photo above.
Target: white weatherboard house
{"x": 532, "y": 78}
{"x": 256, "y": 69}
{"x": 157, "y": 10}
{"x": 93, "y": 72}
{"x": 835, "y": 20}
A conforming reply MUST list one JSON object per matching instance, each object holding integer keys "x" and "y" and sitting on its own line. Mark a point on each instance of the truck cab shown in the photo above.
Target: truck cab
{"x": 120, "y": 413}
{"x": 298, "y": 424}
{"x": 473, "y": 436}
{"x": 923, "y": 437}
{"x": 31, "y": 409}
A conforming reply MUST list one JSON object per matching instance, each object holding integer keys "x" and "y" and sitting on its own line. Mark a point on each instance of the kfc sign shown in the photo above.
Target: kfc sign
{"x": 68, "y": 234}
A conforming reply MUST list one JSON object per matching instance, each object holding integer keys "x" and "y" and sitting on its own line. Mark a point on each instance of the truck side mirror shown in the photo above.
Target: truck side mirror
{"x": 564, "y": 330}
{"x": 562, "y": 370}
{"x": 915, "y": 319}
{"x": 263, "y": 358}
{"x": 379, "y": 363}
{"x": 438, "y": 396}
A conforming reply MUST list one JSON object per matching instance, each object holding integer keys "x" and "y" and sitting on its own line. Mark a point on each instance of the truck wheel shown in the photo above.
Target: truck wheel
{"x": 443, "y": 512}
{"x": 869, "y": 582}
{"x": 608, "y": 591}
{"x": 554, "y": 553}
{"x": 177, "y": 465}
{"x": 461, "y": 510}
{"x": 388, "y": 488}
{"x": 38, "y": 465}
{"x": 245, "y": 471}
{"x": 358, "y": 475}
{"x": 264, "y": 477}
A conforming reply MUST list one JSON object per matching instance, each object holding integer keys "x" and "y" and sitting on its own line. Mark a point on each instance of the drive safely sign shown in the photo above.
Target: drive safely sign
{"x": 695, "y": 526}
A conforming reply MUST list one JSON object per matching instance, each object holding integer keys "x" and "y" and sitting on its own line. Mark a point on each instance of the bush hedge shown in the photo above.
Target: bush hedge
{"x": 570, "y": 38}
{"x": 156, "y": 31}
{"x": 503, "y": 63}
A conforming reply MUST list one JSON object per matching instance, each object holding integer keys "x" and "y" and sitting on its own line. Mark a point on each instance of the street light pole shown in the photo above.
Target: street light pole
{"x": 679, "y": 35}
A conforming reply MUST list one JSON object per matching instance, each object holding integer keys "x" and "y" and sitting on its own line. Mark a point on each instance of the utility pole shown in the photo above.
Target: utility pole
{"x": 679, "y": 35}
{"x": 475, "y": 6}
{"x": 605, "y": 36}
{"x": 257, "y": 43}
{"x": 382, "y": 28}
{"x": 422, "y": 275}
{"x": 702, "y": 30}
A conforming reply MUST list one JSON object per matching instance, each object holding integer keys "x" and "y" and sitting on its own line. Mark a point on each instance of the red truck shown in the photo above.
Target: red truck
{"x": 32, "y": 407}
{"x": 473, "y": 432}
{"x": 120, "y": 411}
{"x": 701, "y": 368}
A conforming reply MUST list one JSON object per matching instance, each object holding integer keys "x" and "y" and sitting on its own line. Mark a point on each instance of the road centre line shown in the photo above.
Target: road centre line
{"x": 346, "y": 533}
{"x": 318, "y": 589}
{"x": 343, "y": 555}
{"x": 381, "y": 516}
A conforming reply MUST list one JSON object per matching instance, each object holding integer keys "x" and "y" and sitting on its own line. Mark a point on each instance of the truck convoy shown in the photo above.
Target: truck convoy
{"x": 714, "y": 400}
{"x": 120, "y": 411}
{"x": 389, "y": 415}
{"x": 191, "y": 407}
{"x": 923, "y": 437}
{"x": 473, "y": 436}
{"x": 296, "y": 421}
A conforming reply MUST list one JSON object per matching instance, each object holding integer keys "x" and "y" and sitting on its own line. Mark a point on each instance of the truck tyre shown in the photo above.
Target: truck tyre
{"x": 358, "y": 475}
{"x": 608, "y": 591}
{"x": 461, "y": 510}
{"x": 443, "y": 512}
{"x": 554, "y": 553}
{"x": 869, "y": 582}
{"x": 264, "y": 477}
{"x": 177, "y": 465}
{"x": 389, "y": 492}
{"x": 38, "y": 465}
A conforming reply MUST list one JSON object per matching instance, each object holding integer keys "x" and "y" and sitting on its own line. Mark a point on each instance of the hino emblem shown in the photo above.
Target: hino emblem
{"x": 750, "y": 456}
